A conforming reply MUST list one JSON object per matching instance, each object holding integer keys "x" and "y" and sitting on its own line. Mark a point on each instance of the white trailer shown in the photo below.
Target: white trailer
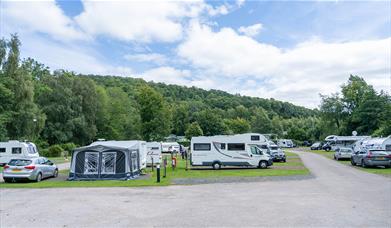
{"x": 229, "y": 150}
{"x": 336, "y": 141}
{"x": 285, "y": 143}
{"x": 154, "y": 153}
{"x": 169, "y": 147}
{"x": 14, "y": 149}
{"x": 141, "y": 146}
{"x": 377, "y": 144}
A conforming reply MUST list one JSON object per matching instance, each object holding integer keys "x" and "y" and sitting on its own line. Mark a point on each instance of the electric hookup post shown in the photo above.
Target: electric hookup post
{"x": 152, "y": 163}
{"x": 165, "y": 167}
{"x": 158, "y": 173}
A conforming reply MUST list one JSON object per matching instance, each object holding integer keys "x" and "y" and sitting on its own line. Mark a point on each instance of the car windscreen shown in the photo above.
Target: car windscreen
{"x": 19, "y": 162}
{"x": 345, "y": 151}
{"x": 274, "y": 148}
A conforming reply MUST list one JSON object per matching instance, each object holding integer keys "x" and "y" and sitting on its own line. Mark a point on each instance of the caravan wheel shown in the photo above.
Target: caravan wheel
{"x": 216, "y": 166}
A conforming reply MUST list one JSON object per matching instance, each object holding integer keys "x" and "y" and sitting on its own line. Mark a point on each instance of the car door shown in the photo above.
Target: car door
{"x": 255, "y": 155}
{"x": 49, "y": 167}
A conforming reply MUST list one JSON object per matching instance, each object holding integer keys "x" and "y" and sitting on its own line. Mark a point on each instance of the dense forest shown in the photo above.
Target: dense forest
{"x": 59, "y": 107}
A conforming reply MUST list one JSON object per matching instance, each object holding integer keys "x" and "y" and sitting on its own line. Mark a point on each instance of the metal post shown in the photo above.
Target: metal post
{"x": 165, "y": 167}
{"x": 158, "y": 173}
{"x": 152, "y": 163}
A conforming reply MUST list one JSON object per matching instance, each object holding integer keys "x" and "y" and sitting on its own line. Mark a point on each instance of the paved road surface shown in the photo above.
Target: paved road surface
{"x": 338, "y": 196}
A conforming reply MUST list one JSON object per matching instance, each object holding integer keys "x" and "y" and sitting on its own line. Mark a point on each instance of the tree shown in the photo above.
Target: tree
{"x": 193, "y": 130}
{"x": 211, "y": 123}
{"x": 180, "y": 119}
{"x": 155, "y": 115}
{"x": 260, "y": 121}
{"x": 237, "y": 126}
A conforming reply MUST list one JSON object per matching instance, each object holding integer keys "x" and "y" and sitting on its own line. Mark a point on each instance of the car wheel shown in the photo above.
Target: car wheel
{"x": 327, "y": 149}
{"x": 39, "y": 177}
{"x": 263, "y": 164}
{"x": 55, "y": 173}
{"x": 284, "y": 160}
{"x": 216, "y": 166}
{"x": 352, "y": 162}
{"x": 363, "y": 164}
{"x": 336, "y": 158}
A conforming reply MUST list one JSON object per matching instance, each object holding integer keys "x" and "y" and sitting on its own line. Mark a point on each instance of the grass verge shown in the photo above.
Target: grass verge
{"x": 293, "y": 166}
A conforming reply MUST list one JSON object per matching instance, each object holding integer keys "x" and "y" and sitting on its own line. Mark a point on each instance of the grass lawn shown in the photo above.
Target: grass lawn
{"x": 58, "y": 160}
{"x": 293, "y": 166}
{"x": 330, "y": 155}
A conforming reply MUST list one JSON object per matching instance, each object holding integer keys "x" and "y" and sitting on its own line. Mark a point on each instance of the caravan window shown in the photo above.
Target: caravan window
{"x": 2, "y": 150}
{"x": 108, "y": 162}
{"x": 236, "y": 146}
{"x": 91, "y": 163}
{"x": 222, "y": 146}
{"x": 154, "y": 148}
{"x": 255, "y": 138}
{"x": 16, "y": 150}
{"x": 201, "y": 146}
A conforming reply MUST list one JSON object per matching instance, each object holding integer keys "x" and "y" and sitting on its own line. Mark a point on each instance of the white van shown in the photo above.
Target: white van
{"x": 154, "y": 152}
{"x": 14, "y": 149}
{"x": 229, "y": 150}
{"x": 285, "y": 143}
{"x": 169, "y": 147}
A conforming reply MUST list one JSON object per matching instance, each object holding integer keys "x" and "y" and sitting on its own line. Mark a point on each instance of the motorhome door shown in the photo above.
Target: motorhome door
{"x": 255, "y": 154}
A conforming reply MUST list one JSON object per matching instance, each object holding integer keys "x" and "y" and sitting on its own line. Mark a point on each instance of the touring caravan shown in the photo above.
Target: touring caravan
{"x": 344, "y": 141}
{"x": 14, "y": 149}
{"x": 229, "y": 150}
{"x": 285, "y": 143}
{"x": 154, "y": 153}
{"x": 378, "y": 144}
{"x": 169, "y": 147}
{"x": 107, "y": 160}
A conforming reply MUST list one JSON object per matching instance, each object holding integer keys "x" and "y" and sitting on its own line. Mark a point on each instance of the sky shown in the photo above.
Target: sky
{"x": 287, "y": 50}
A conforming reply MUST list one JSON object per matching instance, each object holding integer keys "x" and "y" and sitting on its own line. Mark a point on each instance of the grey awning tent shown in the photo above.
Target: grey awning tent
{"x": 106, "y": 161}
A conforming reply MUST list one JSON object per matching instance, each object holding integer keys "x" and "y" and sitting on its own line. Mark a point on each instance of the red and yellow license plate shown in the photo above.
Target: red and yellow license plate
{"x": 16, "y": 170}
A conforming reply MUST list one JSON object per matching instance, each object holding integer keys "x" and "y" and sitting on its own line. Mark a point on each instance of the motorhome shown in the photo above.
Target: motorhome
{"x": 285, "y": 143}
{"x": 14, "y": 149}
{"x": 154, "y": 153}
{"x": 141, "y": 146}
{"x": 170, "y": 147}
{"x": 229, "y": 150}
{"x": 336, "y": 141}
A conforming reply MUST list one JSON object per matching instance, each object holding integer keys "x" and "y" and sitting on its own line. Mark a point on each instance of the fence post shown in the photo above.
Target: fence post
{"x": 165, "y": 167}
{"x": 158, "y": 173}
{"x": 152, "y": 163}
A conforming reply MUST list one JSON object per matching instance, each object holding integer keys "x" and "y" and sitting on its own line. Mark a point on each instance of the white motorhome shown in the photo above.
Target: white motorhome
{"x": 336, "y": 141}
{"x": 141, "y": 146}
{"x": 285, "y": 143}
{"x": 229, "y": 150}
{"x": 14, "y": 149}
{"x": 154, "y": 153}
{"x": 169, "y": 147}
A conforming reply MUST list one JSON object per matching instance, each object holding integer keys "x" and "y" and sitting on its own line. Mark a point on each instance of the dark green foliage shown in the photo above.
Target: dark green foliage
{"x": 193, "y": 129}
{"x": 54, "y": 151}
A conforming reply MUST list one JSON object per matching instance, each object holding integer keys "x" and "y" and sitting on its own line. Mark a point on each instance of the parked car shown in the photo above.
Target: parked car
{"x": 307, "y": 143}
{"x": 326, "y": 147}
{"x": 371, "y": 158}
{"x": 343, "y": 153}
{"x": 34, "y": 169}
{"x": 277, "y": 154}
{"x": 316, "y": 146}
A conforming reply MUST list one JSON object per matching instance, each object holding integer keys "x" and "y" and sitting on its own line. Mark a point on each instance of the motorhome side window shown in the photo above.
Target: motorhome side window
{"x": 2, "y": 150}
{"x": 16, "y": 150}
{"x": 236, "y": 146}
{"x": 201, "y": 146}
{"x": 255, "y": 138}
{"x": 222, "y": 146}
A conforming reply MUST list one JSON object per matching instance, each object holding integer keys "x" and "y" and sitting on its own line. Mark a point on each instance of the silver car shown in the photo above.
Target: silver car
{"x": 34, "y": 169}
{"x": 371, "y": 158}
{"x": 343, "y": 153}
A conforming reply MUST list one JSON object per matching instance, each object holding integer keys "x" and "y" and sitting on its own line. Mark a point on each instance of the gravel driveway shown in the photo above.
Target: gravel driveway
{"x": 337, "y": 196}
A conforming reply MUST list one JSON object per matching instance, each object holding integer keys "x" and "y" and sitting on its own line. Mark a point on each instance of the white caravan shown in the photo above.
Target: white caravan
{"x": 154, "y": 153}
{"x": 336, "y": 141}
{"x": 141, "y": 146}
{"x": 168, "y": 147}
{"x": 378, "y": 144}
{"x": 229, "y": 150}
{"x": 285, "y": 143}
{"x": 14, "y": 149}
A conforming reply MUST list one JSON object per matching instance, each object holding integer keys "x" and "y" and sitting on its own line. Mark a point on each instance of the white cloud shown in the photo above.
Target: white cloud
{"x": 167, "y": 75}
{"x": 297, "y": 75}
{"x": 252, "y": 30}
{"x": 39, "y": 16}
{"x": 150, "y": 57}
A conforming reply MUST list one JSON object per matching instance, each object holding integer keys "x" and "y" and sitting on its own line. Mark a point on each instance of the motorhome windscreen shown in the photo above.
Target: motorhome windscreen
{"x": 255, "y": 138}
{"x": 201, "y": 146}
{"x": 236, "y": 146}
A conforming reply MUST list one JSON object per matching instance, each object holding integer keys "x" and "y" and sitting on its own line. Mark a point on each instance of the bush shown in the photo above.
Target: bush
{"x": 44, "y": 153}
{"x": 69, "y": 147}
{"x": 55, "y": 151}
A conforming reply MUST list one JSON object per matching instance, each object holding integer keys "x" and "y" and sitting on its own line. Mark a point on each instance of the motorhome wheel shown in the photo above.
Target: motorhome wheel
{"x": 262, "y": 164}
{"x": 216, "y": 166}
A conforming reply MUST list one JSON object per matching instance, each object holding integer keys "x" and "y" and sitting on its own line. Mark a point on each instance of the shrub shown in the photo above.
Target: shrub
{"x": 68, "y": 147}
{"x": 44, "y": 153}
{"x": 55, "y": 151}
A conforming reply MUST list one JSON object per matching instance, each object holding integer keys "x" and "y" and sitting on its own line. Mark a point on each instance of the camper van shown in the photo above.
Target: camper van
{"x": 154, "y": 153}
{"x": 336, "y": 141}
{"x": 229, "y": 150}
{"x": 170, "y": 147}
{"x": 285, "y": 143}
{"x": 15, "y": 150}
{"x": 140, "y": 145}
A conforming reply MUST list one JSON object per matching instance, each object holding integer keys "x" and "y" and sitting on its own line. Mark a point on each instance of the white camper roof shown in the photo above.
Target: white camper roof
{"x": 246, "y": 137}
{"x": 133, "y": 144}
{"x": 153, "y": 144}
{"x": 345, "y": 138}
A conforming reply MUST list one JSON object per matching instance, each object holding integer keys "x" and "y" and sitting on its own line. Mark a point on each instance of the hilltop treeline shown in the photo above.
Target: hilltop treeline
{"x": 60, "y": 107}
